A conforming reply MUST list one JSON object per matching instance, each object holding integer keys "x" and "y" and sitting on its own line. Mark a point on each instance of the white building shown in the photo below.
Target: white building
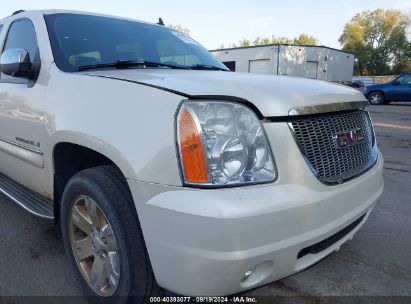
{"x": 317, "y": 62}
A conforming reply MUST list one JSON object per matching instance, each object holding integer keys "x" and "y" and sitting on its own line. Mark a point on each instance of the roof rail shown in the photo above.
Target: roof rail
{"x": 18, "y": 12}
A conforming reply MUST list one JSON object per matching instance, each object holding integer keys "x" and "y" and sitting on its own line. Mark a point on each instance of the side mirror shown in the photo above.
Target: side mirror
{"x": 16, "y": 63}
{"x": 396, "y": 82}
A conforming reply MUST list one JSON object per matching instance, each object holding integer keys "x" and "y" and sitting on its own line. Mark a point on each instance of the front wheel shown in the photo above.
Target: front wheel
{"x": 376, "y": 98}
{"x": 103, "y": 239}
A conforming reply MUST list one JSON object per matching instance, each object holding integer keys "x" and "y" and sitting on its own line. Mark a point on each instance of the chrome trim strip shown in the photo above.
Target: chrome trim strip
{"x": 326, "y": 108}
{"x": 29, "y": 155}
{"x": 21, "y": 146}
{"x": 24, "y": 206}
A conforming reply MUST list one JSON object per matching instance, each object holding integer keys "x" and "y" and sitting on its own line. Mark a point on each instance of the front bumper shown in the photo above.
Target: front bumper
{"x": 202, "y": 242}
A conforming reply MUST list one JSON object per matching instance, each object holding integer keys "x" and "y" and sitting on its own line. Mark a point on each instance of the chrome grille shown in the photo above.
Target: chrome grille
{"x": 331, "y": 165}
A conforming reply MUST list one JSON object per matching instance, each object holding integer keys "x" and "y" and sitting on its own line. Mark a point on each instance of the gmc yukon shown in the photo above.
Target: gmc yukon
{"x": 163, "y": 169}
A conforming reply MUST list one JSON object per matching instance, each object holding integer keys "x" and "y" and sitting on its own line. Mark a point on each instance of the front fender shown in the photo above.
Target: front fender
{"x": 92, "y": 143}
{"x": 131, "y": 124}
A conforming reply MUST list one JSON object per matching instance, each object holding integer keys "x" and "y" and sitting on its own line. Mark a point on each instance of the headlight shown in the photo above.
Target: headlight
{"x": 222, "y": 143}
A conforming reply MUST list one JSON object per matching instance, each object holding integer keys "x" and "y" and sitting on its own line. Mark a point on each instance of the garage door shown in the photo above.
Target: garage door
{"x": 261, "y": 66}
{"x": 311, "y": 69}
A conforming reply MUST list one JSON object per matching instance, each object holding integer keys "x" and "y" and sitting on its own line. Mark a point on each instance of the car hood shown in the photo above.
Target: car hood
{"x": 272, "y": 95}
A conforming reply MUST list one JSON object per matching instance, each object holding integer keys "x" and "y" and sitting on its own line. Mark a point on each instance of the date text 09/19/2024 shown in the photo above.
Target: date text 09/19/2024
{"x": 237, "y": 299}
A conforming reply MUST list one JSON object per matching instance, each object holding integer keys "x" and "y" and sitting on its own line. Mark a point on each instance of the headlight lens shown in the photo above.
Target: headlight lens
{"x": 222, "y": 143}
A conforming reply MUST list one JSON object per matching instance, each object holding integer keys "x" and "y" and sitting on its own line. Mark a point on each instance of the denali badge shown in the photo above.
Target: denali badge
{"x": 349, "y": 138}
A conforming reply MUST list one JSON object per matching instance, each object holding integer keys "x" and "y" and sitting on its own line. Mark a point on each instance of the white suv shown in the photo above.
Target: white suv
{"x": 162, "y": 168}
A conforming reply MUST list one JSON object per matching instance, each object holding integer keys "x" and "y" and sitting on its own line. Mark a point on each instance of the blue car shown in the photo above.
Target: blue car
{"x": 398, "y": 89}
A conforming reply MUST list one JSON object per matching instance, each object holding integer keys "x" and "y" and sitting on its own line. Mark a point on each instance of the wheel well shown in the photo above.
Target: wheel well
{"x": 69, "y": 159}
{"x": 373, "y": 91}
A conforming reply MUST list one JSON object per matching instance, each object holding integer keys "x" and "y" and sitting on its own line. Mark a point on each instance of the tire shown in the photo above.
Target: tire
{"x": 376, "y": 98}
{"x": 100, "y": 195}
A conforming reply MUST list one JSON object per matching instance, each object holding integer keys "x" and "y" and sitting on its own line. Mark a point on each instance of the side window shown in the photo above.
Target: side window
{"x": 406, "y": 80}
{"x": 22, "y": 35}
{"x": 400, "y": 79}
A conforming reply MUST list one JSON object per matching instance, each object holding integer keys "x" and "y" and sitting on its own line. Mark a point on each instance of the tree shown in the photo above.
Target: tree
{"x": 303, "y": 39}
{"x": 281, "y": 40}
{"x": 379, "y": 40}
{"x": 180, "y": 28}
{"x": 244, "y": 42}
{"x": 401, "y": 52}
{"x": 265, "y": 41}
{"x": 257, "y": 41}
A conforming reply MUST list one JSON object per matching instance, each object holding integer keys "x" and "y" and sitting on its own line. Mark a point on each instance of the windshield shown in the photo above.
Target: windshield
{"x": 84, "y": 40}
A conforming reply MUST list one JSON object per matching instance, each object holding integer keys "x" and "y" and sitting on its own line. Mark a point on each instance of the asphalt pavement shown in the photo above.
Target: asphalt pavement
{"x": 377, "y": 262}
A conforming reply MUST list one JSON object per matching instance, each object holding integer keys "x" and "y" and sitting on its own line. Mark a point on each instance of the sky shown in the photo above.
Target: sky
{"x": 216, "y": 22}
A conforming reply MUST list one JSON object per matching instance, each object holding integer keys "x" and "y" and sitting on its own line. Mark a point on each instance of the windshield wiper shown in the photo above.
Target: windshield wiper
{"x": 124, "y": 64}
{"x": 207, "y": 67}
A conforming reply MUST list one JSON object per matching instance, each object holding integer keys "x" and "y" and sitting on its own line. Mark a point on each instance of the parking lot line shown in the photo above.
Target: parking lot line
{"x": 378, "y": 124}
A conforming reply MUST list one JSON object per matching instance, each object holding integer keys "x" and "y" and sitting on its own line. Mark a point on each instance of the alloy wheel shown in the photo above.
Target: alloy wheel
{"x": 94, "y": 246}
{"x": 375, "y": 99}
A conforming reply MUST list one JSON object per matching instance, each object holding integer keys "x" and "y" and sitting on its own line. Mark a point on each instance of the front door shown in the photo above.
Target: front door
{"x": 400, "y": 89}
{"x": 22, "y": 125}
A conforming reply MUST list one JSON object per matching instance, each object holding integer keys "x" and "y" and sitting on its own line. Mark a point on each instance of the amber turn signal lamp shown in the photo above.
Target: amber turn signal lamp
{"x": 191, "y": 149}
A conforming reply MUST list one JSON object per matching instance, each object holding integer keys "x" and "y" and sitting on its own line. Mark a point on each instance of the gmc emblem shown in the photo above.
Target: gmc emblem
{"x": 344, "y": 140}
